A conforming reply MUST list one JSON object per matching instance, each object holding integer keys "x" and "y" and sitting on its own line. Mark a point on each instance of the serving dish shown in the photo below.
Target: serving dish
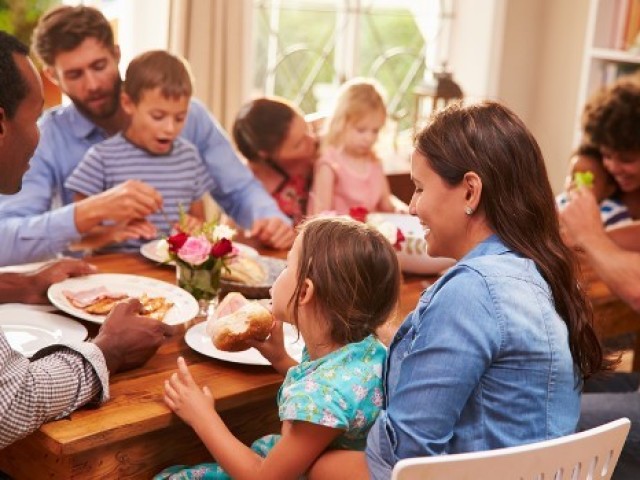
{"x": 413, "y": 256}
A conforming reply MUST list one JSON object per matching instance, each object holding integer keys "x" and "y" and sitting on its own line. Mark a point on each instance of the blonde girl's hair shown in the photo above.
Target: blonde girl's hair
{"x": 357, "y": 98}
{"x": 355, "y": 274}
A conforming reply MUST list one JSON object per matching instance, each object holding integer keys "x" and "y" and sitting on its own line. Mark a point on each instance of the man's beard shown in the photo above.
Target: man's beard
{"x": 107, "y": 110}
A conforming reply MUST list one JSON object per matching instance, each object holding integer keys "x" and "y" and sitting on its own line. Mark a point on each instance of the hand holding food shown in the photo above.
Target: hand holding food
{"x": 236, "y": 321}
{"x": 127, "y": 339}
{"x": 583, "y": 179}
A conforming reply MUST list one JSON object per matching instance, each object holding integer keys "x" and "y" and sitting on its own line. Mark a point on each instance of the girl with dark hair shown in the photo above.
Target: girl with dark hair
{"x": 495, "y": 352}
{"x": 273, "y": 136}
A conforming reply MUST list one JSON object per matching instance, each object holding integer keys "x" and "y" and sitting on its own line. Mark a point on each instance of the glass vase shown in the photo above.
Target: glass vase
{"x": 203, "y": 284}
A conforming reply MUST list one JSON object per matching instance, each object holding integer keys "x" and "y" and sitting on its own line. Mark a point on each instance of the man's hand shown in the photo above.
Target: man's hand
{"x": 580, "y": 218}
{"x": 37, "y": 282}
{"x": 102, "y": 236}
{"x": 273, "y": 232}
{"x": 128, "y": 201}
{"x": 127, "y": 339}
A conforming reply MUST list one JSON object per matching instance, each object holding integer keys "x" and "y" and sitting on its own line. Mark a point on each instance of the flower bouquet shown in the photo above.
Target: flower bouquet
{"x": 199, "y": 255}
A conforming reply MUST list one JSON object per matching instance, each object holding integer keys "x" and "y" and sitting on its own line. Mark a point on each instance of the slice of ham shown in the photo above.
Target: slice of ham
{"x": 230, "y": 303}
{"x": 84, "y": 298}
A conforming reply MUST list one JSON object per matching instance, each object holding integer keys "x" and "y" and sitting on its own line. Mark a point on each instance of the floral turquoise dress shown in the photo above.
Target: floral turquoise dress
{"x": 341, "y": 390}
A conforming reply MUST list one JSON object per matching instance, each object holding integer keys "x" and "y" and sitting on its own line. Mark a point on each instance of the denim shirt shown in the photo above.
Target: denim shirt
{"x": 483, "y": 362}
{"x": 38, "y": 222}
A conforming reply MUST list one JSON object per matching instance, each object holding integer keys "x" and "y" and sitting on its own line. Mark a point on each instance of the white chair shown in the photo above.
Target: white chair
{"x": 588, "y": 455}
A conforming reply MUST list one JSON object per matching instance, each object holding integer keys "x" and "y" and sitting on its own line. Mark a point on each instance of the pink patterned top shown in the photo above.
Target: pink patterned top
{"x": 351, "y": 188}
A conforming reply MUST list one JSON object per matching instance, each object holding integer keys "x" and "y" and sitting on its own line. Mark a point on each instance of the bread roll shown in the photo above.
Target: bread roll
{"x": 231, "y": 331}
{"x": 245, "y": 270}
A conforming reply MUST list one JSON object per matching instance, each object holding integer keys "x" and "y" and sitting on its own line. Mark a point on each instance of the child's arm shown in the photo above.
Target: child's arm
{"x": 301, "y": 443}
{"x": 322, "y": 190}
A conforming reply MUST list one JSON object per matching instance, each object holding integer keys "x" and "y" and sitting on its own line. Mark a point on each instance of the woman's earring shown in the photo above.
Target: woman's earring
{"x": 468, "y": 210}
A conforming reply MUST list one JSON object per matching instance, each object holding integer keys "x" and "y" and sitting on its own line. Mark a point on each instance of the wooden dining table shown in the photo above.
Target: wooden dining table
{"x": 135, "y": 435}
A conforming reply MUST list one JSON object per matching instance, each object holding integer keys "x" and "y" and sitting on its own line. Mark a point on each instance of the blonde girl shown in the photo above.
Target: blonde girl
{"x": 341, "y": 283}
{"x": 349, "y": 173}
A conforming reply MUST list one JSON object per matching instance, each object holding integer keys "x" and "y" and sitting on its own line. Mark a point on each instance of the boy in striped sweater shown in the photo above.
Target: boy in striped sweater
{"x": 156, "y": 94}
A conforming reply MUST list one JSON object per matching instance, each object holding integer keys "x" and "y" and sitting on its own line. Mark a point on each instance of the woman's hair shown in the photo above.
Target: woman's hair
{"x": 357, "y": 99}
{"x": 518, "y": 203}
{"x": 261, "y": 127}
{"x": 158, "y": 69}
{"x": 611, "y": 118}
{"x": 64, "y": 28}
{"x": 355, "y": 274}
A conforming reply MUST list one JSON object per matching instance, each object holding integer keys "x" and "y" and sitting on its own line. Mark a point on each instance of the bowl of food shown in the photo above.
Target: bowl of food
{"x": 251, "y": 276}
{"x": 412, "y": 256}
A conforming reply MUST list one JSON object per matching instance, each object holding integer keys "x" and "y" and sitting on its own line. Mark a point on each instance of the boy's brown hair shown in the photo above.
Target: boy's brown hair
{"x": 63, "y": 28}
{"x": 355, "y": 275}
{"x": 158, "y": 69}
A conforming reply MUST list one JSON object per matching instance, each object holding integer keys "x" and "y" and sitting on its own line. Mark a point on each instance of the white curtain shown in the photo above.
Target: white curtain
{"x": 215, "y": 37}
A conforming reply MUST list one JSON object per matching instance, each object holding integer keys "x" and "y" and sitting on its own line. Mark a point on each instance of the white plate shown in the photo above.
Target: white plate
{"x": 185, "y": 307}
{"x": 413, "y": 256}
{"x": 28, "y": 328}
{"x": 149, "y": 250}
{"x": 197, "y": 338}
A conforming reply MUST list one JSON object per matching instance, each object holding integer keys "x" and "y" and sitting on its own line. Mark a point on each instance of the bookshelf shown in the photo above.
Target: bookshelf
{"x": 612, "y": 47}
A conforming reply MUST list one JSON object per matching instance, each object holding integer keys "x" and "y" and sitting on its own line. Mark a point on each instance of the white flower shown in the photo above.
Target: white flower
{"x": 162, "y": 249}
{"x": 222, "y": 231}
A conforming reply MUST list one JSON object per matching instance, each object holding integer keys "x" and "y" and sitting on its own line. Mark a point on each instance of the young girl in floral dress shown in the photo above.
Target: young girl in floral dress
{"x": 341, "y": 283}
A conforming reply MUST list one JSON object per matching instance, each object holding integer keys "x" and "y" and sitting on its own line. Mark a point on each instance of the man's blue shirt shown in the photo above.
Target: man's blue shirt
{"x": 38, "y": 222}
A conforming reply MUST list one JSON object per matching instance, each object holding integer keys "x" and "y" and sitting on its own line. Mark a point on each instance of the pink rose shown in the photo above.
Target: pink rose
{"x": 195, "y": 250}
{"x": 221, "y": 248}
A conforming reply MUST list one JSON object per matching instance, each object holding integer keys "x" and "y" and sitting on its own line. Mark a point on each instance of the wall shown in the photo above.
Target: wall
{"x": 553, "y": 116}
{"x": 527, "y": 54}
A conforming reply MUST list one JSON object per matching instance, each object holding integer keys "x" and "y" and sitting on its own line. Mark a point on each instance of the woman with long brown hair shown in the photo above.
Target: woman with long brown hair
{"x": 495, "y": 352}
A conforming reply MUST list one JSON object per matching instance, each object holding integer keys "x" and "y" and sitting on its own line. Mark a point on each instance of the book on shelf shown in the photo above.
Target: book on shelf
{"x": 633, "y": 24}
{"x": 620, "y": 20}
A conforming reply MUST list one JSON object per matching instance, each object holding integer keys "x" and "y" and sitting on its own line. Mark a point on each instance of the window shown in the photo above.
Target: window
{"x": 304, "y": 49}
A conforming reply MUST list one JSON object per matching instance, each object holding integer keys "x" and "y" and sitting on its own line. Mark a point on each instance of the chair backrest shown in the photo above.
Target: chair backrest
{"x": 592, "y": 454}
